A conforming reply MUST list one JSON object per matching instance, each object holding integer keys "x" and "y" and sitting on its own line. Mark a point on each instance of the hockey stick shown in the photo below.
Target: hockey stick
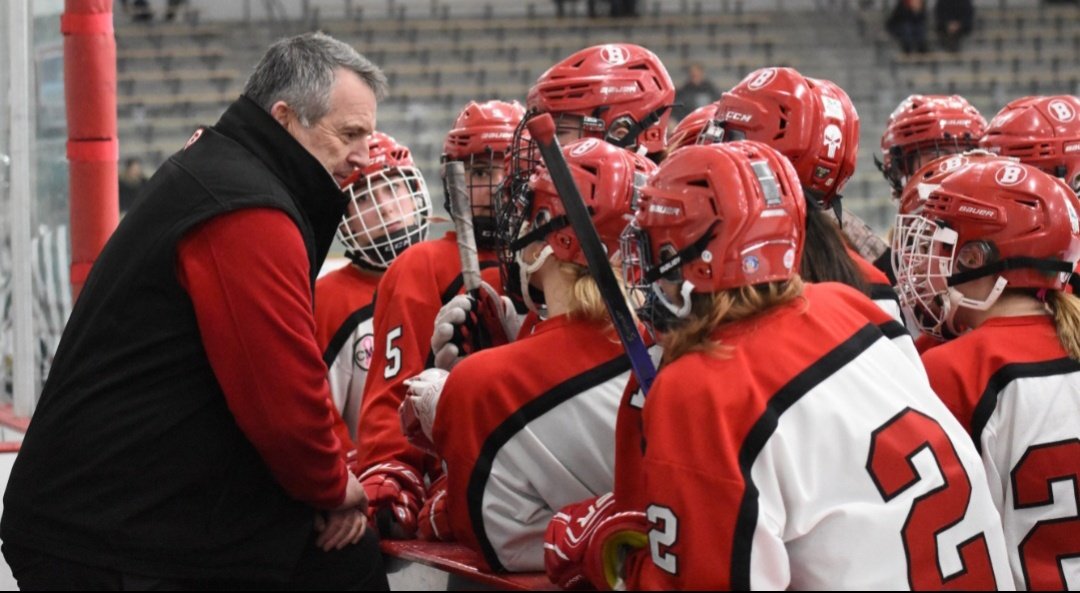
{"x": 542, "y": 128}
{"x": 457, "y": 190}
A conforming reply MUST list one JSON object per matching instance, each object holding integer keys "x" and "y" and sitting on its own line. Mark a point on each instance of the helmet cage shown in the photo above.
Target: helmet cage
{"x": 376, "y": 229}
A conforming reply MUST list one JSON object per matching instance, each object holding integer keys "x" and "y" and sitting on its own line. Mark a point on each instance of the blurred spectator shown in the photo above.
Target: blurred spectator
{"x": 907, "y": 24}
{"x": 697, "y": 91}
{"x": 172, "y": 8}
{"x": 132, "y": 179}
{"x": 138, "y": 10}
{"x": 954, "y": 19}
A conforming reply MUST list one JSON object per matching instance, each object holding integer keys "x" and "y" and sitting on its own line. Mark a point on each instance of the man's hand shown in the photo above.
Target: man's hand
{"x": 338, "y": 529}
{"x": 394, "y": 493}
{"x": 586, "y": 542}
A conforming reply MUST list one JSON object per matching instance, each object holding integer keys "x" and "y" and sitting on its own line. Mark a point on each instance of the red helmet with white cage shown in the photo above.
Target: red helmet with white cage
{"x": 1040, "y": 131}
{"x": 713, "y": 218}
{"x": 990, "y": 218}
{"x": 810, "y": 121}
{"x": 924, "y": 127}
{"x": 388, "y": 205}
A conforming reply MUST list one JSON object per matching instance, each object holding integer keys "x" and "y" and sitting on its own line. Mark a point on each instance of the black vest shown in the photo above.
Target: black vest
{"x": 133, "y": 460}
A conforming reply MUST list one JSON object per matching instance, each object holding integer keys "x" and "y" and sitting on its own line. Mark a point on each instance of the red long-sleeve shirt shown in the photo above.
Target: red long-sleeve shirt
{"x": 248, "y": 278}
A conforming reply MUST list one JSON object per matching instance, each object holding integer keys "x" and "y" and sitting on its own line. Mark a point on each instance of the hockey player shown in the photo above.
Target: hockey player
{"x": 387, "y": 212}
{"x": 813, "y": 123}
{"x": 411, "y": 292}
{"x": 1043, "y": 132}
{"x": 921, "y": 129}
{"x": 528, "y": 427}
{"x": 988, "y": 256}
{"x": 787, "y": 441}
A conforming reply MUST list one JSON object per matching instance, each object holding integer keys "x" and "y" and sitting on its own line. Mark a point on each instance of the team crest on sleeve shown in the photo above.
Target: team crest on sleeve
{"x": 362, "y": 353}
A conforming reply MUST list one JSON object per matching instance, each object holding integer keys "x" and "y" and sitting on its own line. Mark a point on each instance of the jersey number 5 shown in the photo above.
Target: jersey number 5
{"x": 892, "y": 447}
{"x": 1052, "y": 540}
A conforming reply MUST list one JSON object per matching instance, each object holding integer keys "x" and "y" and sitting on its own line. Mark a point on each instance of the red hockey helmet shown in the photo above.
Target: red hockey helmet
{"x": 483, "y": 129}
{"x": 929, "y": 176}
{"x": 989, "y": 218}
{"x": 690, "y": 129}
{"x": 712, "y": 218}
{"x": 924, "y": 127}
{"x": 1041, "y": 131}
{"x": 622, "y": 91}
{"x": 388, "y": 205}
{"x": 810, "y": 121}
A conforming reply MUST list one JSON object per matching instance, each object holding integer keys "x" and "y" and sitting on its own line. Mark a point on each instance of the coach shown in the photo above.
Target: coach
{"x": 183, "y": 438}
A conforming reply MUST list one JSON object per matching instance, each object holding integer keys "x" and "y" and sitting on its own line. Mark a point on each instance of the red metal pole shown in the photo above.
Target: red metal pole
{"x": 92, "y": 148}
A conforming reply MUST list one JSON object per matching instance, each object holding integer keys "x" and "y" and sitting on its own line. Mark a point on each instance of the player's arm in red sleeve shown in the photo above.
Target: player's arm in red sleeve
{"x": 693, "y": 492}
{"x": 943, "y": 370}
{"x": 247, "y": 275}
{"x": 403, "y": 326}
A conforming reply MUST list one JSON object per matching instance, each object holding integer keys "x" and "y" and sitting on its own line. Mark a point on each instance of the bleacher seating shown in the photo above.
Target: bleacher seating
{"x": 439, "y": 54}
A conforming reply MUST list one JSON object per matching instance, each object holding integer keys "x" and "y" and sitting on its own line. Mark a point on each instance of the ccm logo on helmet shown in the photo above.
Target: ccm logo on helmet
{"x": 767, "y": 75}
{"x": 614, "y": 55}
{"x": 584, "y": 147}
{"x": 1062, "y": 111}
{"x": 1010, "y": 175}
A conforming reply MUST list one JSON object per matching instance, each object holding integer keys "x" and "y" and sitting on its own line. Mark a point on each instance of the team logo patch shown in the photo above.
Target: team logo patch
{"x": 789, "y": 258}
{"x": 365, "y": 348}
{"x": 194, "y": 138}
{"x": 750, "y": 264}
{"x": 952, "y": 163}
{"x": 833, "y": 139}
{"x": 763, "y": 78}
{"x": 706, "y": 256}
{"x": 584, "y": 147}
{"x": 614, "y": 55}
{"x": 1074, "y": 220}
{"x": 1010, "y": 175}
{"x": 1062, "y": 111}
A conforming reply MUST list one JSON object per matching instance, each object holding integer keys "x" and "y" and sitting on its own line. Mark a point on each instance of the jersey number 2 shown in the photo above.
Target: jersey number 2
{"x": 1052, "y": 540}
{"x": 892, "y": 447}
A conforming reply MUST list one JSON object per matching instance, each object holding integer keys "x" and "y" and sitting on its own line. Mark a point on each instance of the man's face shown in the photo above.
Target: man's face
{"x": 339, "y": 140}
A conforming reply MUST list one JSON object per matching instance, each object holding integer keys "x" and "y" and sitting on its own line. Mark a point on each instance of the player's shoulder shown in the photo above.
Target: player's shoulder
{"x": 844, "y": 302}
{"x": 870, "y": 273}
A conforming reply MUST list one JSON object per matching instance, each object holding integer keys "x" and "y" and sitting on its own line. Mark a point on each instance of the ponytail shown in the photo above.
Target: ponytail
{"x": 825, "y": 256}
{"x": 1066, "y": 309}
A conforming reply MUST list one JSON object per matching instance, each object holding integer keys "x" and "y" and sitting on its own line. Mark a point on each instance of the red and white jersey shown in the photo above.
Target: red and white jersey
{"x": 417, "y": 284}
{"x": 881, "y": 290}
{"x": 525, "y": 429}
{"x": 1012, "y": 384}
{"x": 344, "y": 330}
{"x": 815, "y": 456}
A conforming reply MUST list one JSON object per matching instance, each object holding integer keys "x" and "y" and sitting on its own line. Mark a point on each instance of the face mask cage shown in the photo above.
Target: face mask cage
{"x": 923, "y": 261}
{"x": 387, "y": 212}
{"x": 642, "y": 276}
{"x": 903, "y": 163}
{"x": 716, "y": 132}
{"x": 484, "y": 178}
{"x": 510, "y": 209}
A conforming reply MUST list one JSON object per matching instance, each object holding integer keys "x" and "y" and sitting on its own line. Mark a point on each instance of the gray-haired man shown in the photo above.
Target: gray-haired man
{"x": 185, "y": 436}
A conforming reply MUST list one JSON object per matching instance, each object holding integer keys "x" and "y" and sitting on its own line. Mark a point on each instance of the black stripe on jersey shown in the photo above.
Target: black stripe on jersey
{"x": 342, "y": 334}
{"x": 884, "y": 292}
{"x": 893, "y": 329}
{"x": 764, "y": 428}
{"x": 540, "y": 405}
{"x": 451, "y": 291}
{"x": 1001, "y": 379}
{"x": 884, "y": 263}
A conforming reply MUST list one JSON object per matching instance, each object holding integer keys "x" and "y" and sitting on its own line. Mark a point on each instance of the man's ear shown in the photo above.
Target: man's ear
{"x": 281, "y": 112}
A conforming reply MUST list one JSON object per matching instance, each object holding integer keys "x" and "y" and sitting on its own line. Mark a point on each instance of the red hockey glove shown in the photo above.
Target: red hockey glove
{"x": 434, "y": 521}
{"x": 394, "y": 493}
{"x": 586, "y": 542}
{"x": 466, "y": 324}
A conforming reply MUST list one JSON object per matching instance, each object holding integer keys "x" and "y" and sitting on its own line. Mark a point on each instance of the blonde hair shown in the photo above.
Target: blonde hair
{"x": 1066, "y": 309}
{"x": 710, "y": 311}
{"x": 585, "y": 301}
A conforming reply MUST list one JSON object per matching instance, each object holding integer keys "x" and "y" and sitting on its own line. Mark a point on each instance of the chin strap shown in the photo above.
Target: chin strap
{"x": 1012, "y": 263}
